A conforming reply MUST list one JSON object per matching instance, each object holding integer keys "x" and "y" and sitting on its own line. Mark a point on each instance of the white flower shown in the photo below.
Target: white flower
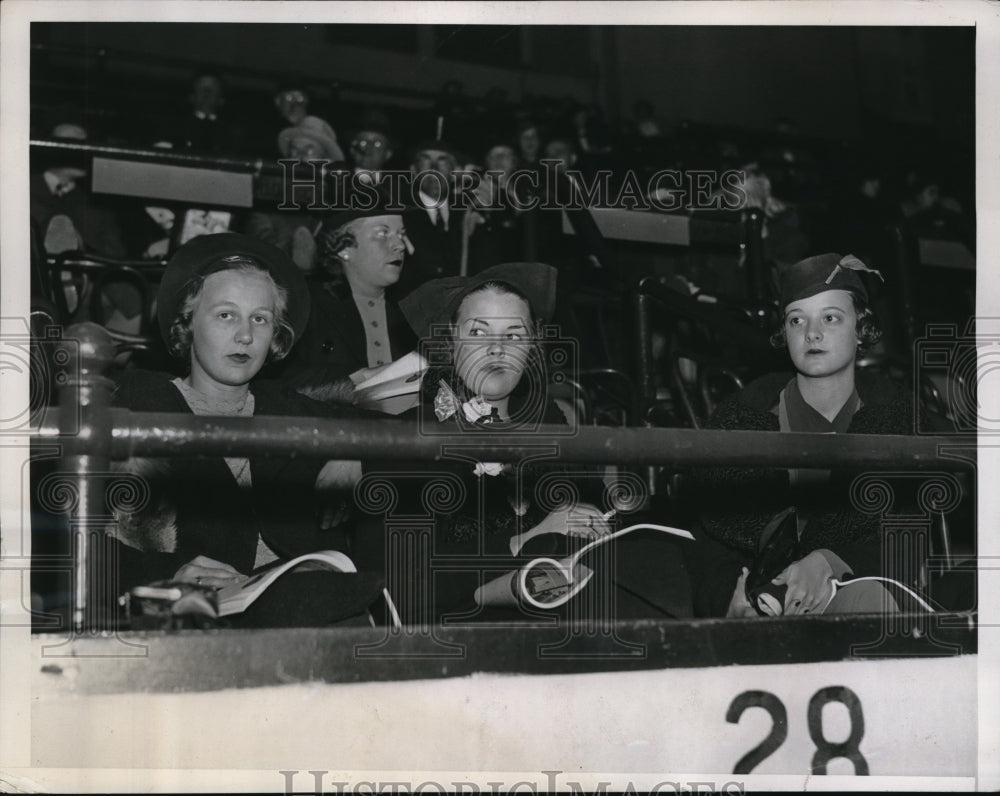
{"x": 475, "y": 408}
{"x": 490, "y": 468}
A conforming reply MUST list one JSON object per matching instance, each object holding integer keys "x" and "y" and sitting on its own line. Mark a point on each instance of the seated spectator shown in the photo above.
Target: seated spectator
{"x": 586, "y": 249}
{"x": 206, "y": 129}
{"x": 294, "y": 231}
{"x": 495, "y": 233}
{"x": 227, "y": 304}
{"x": 826, "y": 321}
{"x": 435, "y": 226}
{"x": 355, "y": 324}
{"x": 310, "y": 138}
{"x": 371, "y": 146}
{"x": 495, "y": 381}
{"x": 292, "y": 102}
{"x": 529, "y": 143}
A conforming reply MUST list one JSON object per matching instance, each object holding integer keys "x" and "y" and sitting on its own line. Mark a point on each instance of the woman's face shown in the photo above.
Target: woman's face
{"x": 821, "y": 332}
{"x": 232, "y": 326}
{"x": 376, "y": 262}
{"x": 492, "y": 342}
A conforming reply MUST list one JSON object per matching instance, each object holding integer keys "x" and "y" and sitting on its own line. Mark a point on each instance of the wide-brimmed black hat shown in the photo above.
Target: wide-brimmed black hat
{"x": 823, "y": 272}
{"x": 206, "y": 253}
{"x": 436, "y": 302}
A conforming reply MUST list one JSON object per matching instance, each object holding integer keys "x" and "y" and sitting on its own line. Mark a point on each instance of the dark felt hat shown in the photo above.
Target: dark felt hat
{"x": 438, "y": 144}
{"x": 363, "y": 201}
{"x": 436, "y": 302}
{"x": 206, "y": 255}
{"x": 824, "y": 272}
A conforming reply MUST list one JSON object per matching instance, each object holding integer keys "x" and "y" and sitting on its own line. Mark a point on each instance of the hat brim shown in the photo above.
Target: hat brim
{"x": 200, "y": 254}
{"x": 331, "y": 149}
{"x": 435, "y": 303}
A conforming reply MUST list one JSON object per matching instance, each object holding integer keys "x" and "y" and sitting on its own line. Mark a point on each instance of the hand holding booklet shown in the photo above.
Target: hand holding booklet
{"x": 393, "y": 388}
{"x": 547, "y": 582}
{"x": 237, "y": 597}
{"x": 324, "y": 587}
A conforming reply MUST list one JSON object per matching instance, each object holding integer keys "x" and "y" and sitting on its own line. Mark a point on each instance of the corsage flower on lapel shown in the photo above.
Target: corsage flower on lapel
{"x": 475, "y": 410}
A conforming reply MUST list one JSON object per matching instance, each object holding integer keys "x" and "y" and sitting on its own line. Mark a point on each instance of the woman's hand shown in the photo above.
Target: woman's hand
{"x": 808, "y": 582}
{"x": 587, "y": 521}
{"x": 583, "y": 521}
{"x": 739, "y": 605}
{"x": 205, "y": 571}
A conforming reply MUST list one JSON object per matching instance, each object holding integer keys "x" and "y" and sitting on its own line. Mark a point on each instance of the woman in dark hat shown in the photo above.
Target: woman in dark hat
{"x": 488, "y": 376}
{"x": 355, "y": 325}
{"x": 227, "y": 304}
{"x": 826, "y": 322}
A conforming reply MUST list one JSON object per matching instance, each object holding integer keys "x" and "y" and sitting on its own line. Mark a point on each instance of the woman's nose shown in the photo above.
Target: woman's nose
{"x": 813, "y": 332}
{"x": 496, "y": 348}
{"x": 244, "y": 333}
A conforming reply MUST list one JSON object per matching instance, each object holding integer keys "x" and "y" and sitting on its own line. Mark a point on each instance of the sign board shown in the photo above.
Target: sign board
{"x": 858, "y": 718}
{"x": 168, "y": 182}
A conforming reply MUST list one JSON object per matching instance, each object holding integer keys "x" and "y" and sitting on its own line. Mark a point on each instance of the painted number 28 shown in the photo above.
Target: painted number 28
{"x": 825, "y": 750}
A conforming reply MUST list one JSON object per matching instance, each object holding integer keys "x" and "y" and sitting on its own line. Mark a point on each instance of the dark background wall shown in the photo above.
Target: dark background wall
{"x": 833, "y": 82}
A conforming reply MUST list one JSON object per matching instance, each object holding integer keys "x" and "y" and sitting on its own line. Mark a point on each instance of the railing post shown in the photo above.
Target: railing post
{"x": 85, "y": 421}
{"x": 644, "y": 351}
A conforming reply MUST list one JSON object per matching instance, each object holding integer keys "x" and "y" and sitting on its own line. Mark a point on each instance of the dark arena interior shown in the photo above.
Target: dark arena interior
{"x": 461, "y": 304}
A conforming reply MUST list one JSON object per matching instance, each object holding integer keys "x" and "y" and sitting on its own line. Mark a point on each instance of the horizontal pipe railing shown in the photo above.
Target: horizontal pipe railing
{"x": 164, "y": 156}
{"x": 91, "y": 434}
{"x": 172, "y": 434}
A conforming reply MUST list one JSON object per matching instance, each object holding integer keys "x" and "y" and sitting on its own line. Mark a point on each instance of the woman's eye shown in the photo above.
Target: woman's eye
{"x": 832, "y": 318}
{"x": 261, "y": 319}
{"x": 476, "y": 332}
{"x": 225, "y": 315}
{"x": 794, "y": 321}
{"x": 513, "y": 336}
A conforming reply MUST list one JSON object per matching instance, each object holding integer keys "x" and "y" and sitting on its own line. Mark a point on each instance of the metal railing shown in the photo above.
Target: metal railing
{"x": 92, "y": 434}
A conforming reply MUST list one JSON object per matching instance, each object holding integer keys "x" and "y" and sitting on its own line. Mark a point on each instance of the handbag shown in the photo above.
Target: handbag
{"x": 777, "y": 548}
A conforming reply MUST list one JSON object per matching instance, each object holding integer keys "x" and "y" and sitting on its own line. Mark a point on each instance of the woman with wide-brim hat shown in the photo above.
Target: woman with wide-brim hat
{"x": 227, "y": 304}
{"x": 488, "y": 375}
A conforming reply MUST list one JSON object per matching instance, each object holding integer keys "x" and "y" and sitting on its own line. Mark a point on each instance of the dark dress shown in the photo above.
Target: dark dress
{"x": 196, "y": 506}
{"x": 473, "y": 517}
{"x": 734, "y": 504}
{"x": 334, "y": 344}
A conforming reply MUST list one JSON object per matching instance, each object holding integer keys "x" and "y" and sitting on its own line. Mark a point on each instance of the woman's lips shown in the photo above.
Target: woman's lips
{"x": 242, "y": 359}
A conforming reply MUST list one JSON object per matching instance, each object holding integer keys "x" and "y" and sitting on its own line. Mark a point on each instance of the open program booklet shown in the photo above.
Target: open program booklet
{"x": 395, "y": 387}
{"x": 548, "y": 582}
{"x": 237, "y": 597}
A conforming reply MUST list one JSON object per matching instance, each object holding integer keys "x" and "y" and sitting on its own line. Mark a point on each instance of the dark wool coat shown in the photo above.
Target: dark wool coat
{"x": 196, "y": 506}
{"x": 473, "y": 517}
{"x": 734, "y": 504}
{"x": 334, "y": 344}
